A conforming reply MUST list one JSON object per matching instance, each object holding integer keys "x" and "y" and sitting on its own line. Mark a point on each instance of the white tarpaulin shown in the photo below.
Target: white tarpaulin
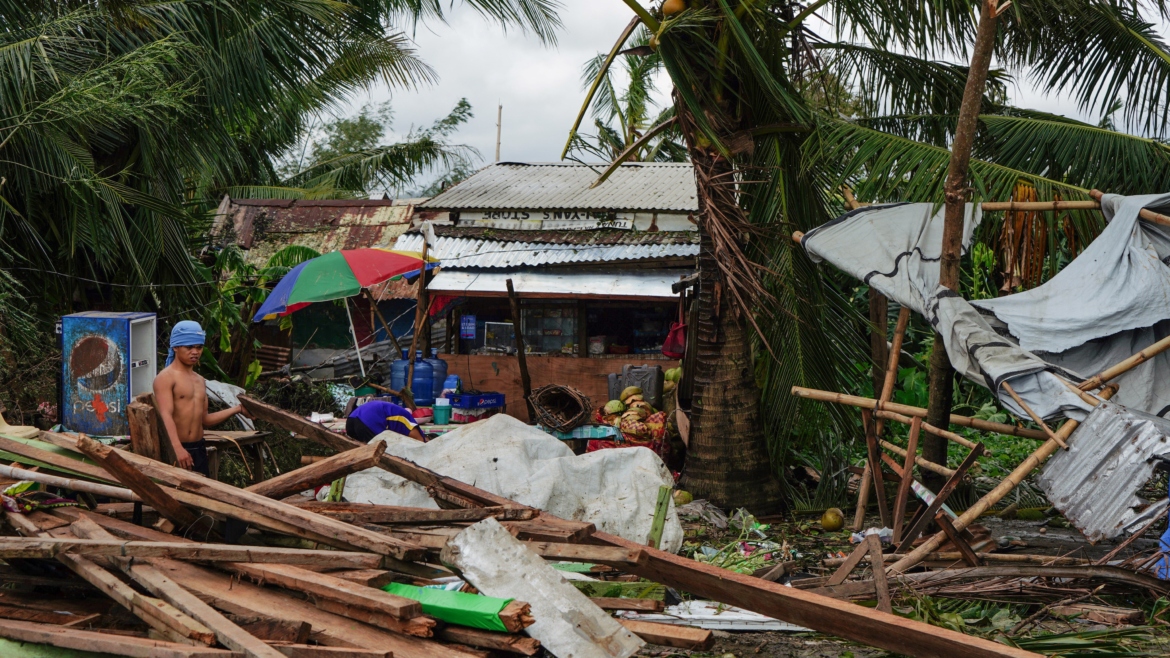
{"x": 1109, "y": 303}
{"x": 616, "y": 490}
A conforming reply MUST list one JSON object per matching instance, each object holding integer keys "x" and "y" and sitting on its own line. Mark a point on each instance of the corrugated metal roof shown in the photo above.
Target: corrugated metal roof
{"x": 665, "y": 186}
{"x": 264, "y": 226}
{"x": 1095, "y": 482}
{"x": 461, "y": 253}
{"x": 590, "y": 237}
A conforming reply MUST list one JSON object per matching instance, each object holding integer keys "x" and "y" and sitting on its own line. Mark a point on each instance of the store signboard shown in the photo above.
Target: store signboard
{"x": 467, "y": 327}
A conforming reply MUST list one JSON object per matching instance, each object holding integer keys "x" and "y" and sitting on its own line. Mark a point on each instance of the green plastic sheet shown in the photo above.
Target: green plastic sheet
{"x": 460, "y": 608}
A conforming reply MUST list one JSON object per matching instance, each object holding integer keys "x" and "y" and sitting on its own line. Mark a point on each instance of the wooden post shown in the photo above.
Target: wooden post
{"x": 385, "y": 325}
{"x": 875, "y": 466}
{"x": 879, "y": 573}
{"x": 525, "y": 382}
{"x": 582, "y": 331}
{"x": 956, "y": 538}
{"x": 420, "y": 314}
{"x": 143, "y": 437}
{"x": 939, "y": 499}
{"x": 147, "y": 490}
{"x": 941, "y": 379}
{"x": 879, "y": 352}
{"x": 318, "y": 473}
{"x": 907, "y": 477}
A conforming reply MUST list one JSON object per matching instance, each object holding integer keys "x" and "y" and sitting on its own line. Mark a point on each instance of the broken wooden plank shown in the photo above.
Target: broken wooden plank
{"x": 274, "y": 630}
{"x": 879, "y": 573}
{"x": 551, "y": 529}
{"x": 366, "y": 513}
{"x": 158, "y": 614}
{"x": 65, "y": 637}
{"x": 368, "y": 577}
{"x": 21, "y": 613}
{"x": 17, "y": 547}
{"x": 396, "y": 465}
{"x": 313, "y": 651}
{"x": 131, "y": 477}
{"x": 507, "y": 642}
{"x": 637, "y": 605}
{"x": 420, "y": 626}
{"x": 331, "y": 531}
{"x": 157, "y": 583}
{"x": 948, "y": 528}
{"x": 850, "y": 563}
{"x": 322, "y": 472}
{"x": 939, "y": 498}
{"x": 669, "y": 635}
{"x": 325, "y": 586}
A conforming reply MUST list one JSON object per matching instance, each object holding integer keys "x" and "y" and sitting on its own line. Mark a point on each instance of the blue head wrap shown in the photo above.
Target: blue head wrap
{"x": 185, "y": 334}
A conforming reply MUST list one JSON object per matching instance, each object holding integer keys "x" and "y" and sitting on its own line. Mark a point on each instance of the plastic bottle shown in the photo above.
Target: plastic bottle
{"x": 438, "y": 370}
{"x": 423, "y": 384}
{"x": 398, "y": 370}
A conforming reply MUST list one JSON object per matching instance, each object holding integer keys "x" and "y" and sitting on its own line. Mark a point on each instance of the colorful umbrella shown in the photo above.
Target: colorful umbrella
{"x": 337, "y": 275}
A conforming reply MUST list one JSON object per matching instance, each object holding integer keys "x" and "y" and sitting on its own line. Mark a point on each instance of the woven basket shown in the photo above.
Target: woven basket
{"x": 560, "y": 408}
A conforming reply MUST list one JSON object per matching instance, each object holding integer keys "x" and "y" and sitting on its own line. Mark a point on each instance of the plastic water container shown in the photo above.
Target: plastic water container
{"x": 452, "y": 386}
{"x": 442, "y": 411}
{"x": 398, "y": 370}
{"x": 423, "y": 384}
{"x": 438, "y": 371}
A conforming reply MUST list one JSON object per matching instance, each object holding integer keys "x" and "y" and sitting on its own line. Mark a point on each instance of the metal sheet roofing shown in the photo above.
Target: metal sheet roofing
{"x": 264, "y": 226}
{"x": 636, "y": 284}
{"x": 637, "y": 186}
{"x": 1095, "y": 482}
{"x": 461, "y": 253}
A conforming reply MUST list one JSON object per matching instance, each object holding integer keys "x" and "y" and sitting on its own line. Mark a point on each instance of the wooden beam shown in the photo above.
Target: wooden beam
{"x": 157, "y": 583}
{"x": 378, "y": 578}
{"x": 507, "y": 642}
{"x": 948, "y": 528}
{"x": 366, "y": 513}
{"x": 325, "y": 586}
{"x": 420, "y": 626}
{"x": 322, "y": 472}
{"x": 144, "y": 487}
{"x": 874, "y": 543}
{"x": 907, "y": 478}
{"x": 144, "y": 436}
{"x": 315, "y": 651}
{"x": 518, "y": 333}
{"x": 860, "y": 552}
{"x": 51, "y": 547}
{"x": 401, "y": 467}
{"x": 637, "y": 605}
{"x": 65, "y": 637}
{"x": 332, "y": 531}
{"x": 939, "y": 499}
{"x": 274, "y": 630}
{"x": 905, "y": 409}
{"x": 668, "y": 635}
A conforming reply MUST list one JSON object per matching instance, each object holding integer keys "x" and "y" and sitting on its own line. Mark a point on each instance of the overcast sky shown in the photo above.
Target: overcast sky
{"x": 538, "y": 85}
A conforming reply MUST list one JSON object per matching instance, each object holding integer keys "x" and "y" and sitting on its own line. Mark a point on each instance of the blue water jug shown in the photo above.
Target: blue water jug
{"x": 438, "y": 370}
{"x": 423, "y": 384}
{"x": 398, "y": 370}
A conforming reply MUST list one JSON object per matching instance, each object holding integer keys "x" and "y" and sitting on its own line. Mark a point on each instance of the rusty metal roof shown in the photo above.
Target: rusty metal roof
{"x": 460, "y": 253}
{"x": 264, "y": 226}
{"x": 635, "y": 186}
{"x": 586, "y": 237}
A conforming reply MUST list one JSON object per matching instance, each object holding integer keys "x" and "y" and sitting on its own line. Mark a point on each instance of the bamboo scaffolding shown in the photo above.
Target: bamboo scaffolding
{"x": 995, "y": 495}
{"x": 1113, "y": 372}
{"x": 907, "y": 410}
{"x": 921, "y": 461}
{"x": 930, "y": 429}
{"x": 1033, "y": 415}
{"x": 892, "y": 363}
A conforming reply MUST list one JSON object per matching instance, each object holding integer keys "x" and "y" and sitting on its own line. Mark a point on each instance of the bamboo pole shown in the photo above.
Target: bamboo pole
{"x": 1022, "y": 206}
{"x": 66, "y": 483}
{"x": 905, "y": 409}
{"x": 862, "y": 498}
{"x": 931, "y": 429}
{"x": 1125, "y": 366}
{"x": 928, "y": 465}
{"x": 1148, "y": 215}
{"x": 1033, "y": 415}
{"x": 995, "y": 495}
{"x": 892, "y": 363}
{"x": 420, "y": 314}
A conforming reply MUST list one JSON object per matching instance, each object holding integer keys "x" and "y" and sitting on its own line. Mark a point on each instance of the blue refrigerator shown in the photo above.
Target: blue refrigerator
{"x": 107, "y": 360}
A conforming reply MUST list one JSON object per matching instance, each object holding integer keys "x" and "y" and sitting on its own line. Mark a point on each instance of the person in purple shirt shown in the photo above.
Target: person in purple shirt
{"x": 377, "y": 416}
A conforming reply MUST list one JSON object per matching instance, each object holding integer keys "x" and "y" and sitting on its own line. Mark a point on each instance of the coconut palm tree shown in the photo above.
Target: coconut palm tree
{"x": 122, "y": 121}
{"x": 623, "y": 116}
{"x": 769, "y": 156}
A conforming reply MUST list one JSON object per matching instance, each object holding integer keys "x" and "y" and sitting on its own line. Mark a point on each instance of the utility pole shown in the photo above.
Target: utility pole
{"x": 499, "y": 125}
{"x": 942, "y": 375}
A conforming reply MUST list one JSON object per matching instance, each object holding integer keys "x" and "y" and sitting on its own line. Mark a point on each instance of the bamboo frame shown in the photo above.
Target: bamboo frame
{"x": 1095, "y": 204}
{"x": 1101, "y": 378}
{"x": 907, "y": 410}
{"x": 995, "y": 495}
{"x": 921, "y": 461}
{"x": 1033, "y": 415}
{"x": 930, "y": 429}
{"x": 892, "y": 362}
{"x": 907, "y": 476}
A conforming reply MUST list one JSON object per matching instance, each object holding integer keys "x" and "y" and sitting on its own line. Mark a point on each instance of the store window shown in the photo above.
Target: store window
{"x": 550, "y": 327}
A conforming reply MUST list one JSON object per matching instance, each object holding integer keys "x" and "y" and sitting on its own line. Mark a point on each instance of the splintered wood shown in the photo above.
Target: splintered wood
{"x": 307, "y": 578}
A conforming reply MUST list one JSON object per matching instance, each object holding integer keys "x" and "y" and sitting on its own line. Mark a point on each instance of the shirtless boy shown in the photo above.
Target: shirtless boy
{"x": 181, "y": 398}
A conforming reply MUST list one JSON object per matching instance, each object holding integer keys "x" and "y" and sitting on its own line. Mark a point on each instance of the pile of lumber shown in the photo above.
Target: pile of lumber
{"x": 163, "y": 569}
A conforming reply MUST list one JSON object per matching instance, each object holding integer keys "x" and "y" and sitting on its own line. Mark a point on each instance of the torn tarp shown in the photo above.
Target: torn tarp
{"x": 1109, "y": 303}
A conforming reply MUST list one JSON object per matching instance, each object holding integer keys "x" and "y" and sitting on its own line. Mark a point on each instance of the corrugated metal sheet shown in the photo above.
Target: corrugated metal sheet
{"x": 1095, "y": 482}
{"x": 590, "y": 237}
{"x": 264, "y": 226}
{"x": 461, "y": 253}
{"x": 667, "y": 186}
{"x": 628, "y": 284}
